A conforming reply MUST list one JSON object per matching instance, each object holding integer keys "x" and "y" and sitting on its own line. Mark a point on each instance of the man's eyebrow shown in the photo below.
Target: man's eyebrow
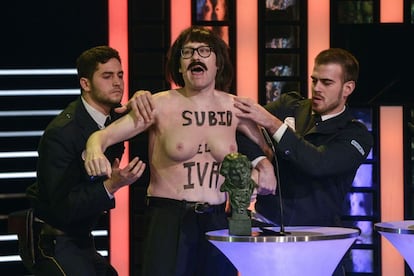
{"x": 321, "y": 79}
{"x": 112, "y": 72}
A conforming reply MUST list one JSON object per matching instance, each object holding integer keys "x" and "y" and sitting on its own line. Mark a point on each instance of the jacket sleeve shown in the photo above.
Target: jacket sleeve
{"x": 64, "y": 186}
{"x": 280, "y": 106}
{"x": 343, "y": 151}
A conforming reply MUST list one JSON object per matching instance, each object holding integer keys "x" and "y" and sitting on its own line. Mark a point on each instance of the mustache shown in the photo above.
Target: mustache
{"x": 197, "y": 63}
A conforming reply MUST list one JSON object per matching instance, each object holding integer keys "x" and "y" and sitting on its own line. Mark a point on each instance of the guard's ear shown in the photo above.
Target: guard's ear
{"x": 85, "y": 84}
{"x": 348, "y": 88}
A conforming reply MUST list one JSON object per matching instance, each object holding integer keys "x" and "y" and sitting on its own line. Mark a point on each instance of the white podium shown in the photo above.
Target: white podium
{"x": 304, "y": 250}
{"x": 401, "y": 235}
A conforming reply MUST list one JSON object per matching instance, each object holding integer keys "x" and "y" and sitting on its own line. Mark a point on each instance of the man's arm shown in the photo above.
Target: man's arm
{"x": 352, "y": 144}
{"x": 96, "y": 163}
{"x": 266, "y": 179}
{"x": 69, "y": 194}
{"x": 121, "y": 177}
{"x": 141, "y": 104}
{"x": 258, "y": 114}
{"x": 248, "y": 147}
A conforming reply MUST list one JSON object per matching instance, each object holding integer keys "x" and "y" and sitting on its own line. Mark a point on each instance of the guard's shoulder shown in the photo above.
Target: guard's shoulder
{"x": 65, "y": 118}
{"x": 288, "y": 99}
{"x": 60, "y": 126}
{"x": 358, "y": 123}
{"x": 294, "y": 95}
{"x": 356, "y": 126}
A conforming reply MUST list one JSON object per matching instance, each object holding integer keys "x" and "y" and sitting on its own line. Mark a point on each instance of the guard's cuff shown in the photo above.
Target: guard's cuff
{"x": 279, "y": 132}
{"x": 257, "y": 160}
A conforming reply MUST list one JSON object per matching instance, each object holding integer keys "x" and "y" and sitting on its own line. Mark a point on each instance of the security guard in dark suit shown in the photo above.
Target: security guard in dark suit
{"x": 318, "y": 143}
{"x": 317, "y": 162}
{"x": 68, "y": 203}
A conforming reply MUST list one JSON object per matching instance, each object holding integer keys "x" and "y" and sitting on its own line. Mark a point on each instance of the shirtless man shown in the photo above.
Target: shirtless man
{"x": 191, "y": 130}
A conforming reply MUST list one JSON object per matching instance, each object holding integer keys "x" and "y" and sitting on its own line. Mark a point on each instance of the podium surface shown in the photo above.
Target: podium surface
{"x": 401, "y": 235}
{"x": 301, "y": 250}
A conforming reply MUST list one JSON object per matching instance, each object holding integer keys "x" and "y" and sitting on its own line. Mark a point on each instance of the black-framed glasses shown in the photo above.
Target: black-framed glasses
{"x": 202, "y": 51}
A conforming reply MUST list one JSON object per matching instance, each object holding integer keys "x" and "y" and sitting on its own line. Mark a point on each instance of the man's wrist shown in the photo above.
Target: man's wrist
{"x": 110, "y": 192}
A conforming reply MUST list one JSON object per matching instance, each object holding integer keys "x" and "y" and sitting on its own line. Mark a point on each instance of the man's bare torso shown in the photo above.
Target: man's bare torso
{"x": 188, "y": 142}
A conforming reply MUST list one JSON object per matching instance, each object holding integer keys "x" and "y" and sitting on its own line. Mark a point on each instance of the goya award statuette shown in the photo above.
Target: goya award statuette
{"x": 236, "y": 168}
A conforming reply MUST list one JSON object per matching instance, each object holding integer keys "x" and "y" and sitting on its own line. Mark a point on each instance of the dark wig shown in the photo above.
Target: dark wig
{"x": 224, "y": 75}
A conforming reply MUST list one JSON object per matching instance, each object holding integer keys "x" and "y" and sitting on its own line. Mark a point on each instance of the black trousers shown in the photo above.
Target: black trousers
{"x": 175, "y": 243}
{"x": 58, "y": 255}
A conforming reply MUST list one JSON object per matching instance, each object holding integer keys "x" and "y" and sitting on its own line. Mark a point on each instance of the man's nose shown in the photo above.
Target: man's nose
{"x": 117, "y": 81}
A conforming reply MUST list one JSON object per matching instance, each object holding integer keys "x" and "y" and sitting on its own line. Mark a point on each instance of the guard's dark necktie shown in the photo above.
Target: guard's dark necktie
{"x": 107, "y": 121}
{"x": 316, "y": 119}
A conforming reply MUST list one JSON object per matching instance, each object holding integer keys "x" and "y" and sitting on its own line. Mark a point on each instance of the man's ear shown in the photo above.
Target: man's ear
{"x": 85, "y": 84}
{"x": 349, "y": 87}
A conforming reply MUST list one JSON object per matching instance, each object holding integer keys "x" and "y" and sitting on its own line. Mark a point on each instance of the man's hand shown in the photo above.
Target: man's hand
{"x": 126, "y": 176}
{"x": 266, "y": 179}
{"x": 141, "y": 105}
{"x": 256, "y": 113}
{"x": 96, "y": 163}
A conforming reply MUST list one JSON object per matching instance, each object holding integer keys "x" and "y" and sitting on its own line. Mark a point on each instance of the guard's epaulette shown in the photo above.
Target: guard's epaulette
{"x": 358, "y": 122}
{"x": 64, "y": 118}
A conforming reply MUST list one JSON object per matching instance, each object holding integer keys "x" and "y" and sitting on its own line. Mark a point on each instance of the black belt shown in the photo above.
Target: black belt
{"x": 197, "y": 207}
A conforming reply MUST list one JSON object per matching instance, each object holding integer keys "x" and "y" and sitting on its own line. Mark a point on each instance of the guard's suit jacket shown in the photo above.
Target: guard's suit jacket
{"x": 64, "y": 196}
{"x": 317, "y": 163}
